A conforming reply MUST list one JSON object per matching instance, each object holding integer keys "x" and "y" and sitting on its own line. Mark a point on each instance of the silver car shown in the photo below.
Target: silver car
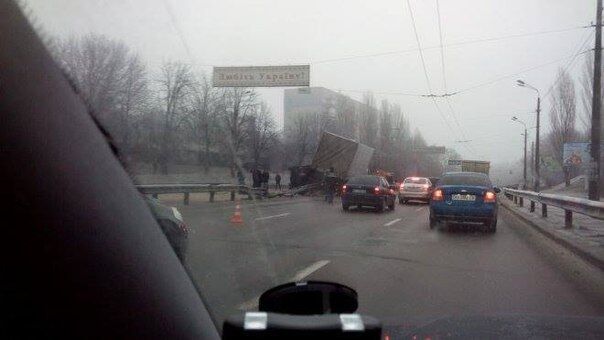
{"x": 415, "y": 188}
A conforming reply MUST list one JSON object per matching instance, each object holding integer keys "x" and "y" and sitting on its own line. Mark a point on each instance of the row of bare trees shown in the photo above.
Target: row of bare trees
{"x": 168, "y": 115}
{"x": 384, "y": 127}
{"x": 569, "y": 118}
{"x": 172, "y": 114}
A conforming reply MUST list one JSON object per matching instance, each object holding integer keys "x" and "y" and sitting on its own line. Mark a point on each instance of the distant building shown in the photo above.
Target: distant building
{"x": 300, "y": 102}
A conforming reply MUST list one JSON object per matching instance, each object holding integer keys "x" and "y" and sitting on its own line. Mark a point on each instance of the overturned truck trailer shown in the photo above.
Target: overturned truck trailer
{"x": 347, "y": 157}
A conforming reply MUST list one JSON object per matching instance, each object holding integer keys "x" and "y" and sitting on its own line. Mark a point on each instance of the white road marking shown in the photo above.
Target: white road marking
{"x": 392, "y": 222}
{"x": 420, "y": 208}
{"x": 269, "y": 217}
{"x": 301, "y": 275}
{"x": 309, "y": 270}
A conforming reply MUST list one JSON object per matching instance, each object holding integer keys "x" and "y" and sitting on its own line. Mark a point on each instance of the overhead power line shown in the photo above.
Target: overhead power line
{"x": 494, "y": 80}
{"x": 444, "y": 75}
{"x": 581, "y": 46}
{"x": 425, "y": 69}
{"x": 454, "y": 44}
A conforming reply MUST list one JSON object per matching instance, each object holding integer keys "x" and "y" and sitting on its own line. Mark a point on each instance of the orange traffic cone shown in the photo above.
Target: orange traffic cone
{"x": 236, "y": 218}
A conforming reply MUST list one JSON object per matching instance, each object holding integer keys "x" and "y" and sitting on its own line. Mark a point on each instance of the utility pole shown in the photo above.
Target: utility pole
{"x": 537, "y": 159}
{"x": 537, "y": 178}
{"x": 533, "y": 156}
{"x": 524, "y": 169}
{"x": 594, "y": 166}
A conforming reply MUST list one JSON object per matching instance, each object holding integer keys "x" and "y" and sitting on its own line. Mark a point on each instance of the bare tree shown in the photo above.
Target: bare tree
{"x": 175, "y": 86}
{"x": 563, "y": 114}
{"x": 237, "y": 105}
{"x": 262, "y": 134}
{"x": 203, "y": 119}
{"x": 302, "y": 137}
{"x": 345, "y": 117}
{"x": 368, "y": 121}
{"x": 132, "y": 100}
{"x": 110, "y": 78}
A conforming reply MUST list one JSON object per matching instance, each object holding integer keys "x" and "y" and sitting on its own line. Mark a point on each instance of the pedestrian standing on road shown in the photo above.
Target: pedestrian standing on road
{"x": 255, "y": 178}
{"x": 329, "y": 183}
{"x": 278, "y": 181}
{"x": 265, "y": 178}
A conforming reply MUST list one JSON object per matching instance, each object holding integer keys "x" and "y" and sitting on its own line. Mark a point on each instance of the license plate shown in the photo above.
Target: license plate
{"x": 359, "y": 191}
{"x": 463, "y": 197}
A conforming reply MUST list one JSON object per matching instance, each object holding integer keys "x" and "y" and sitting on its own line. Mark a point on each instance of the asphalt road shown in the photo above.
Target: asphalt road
{"x": 400, "y": 268}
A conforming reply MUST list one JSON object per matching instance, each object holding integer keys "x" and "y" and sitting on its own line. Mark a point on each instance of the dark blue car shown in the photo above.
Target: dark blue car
{"x": 464, "y": 198}
{"x": 368, "y": 190}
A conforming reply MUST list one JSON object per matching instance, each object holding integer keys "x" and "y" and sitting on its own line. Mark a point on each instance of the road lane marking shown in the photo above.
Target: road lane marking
{"x": 269, "y": 217}
{"x": 309, "y": 270}
{"x": 301, "y": 275}
{"x": 420, "y": 208}
{"x": 392, "y": 222}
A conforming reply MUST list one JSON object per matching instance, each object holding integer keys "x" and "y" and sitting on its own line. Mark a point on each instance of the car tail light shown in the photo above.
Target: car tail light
{"x": 344, "y": 188}
{"x": 402, "y": 186}
{"x": 376, "y": 190}
{"x": 490, "y": 197}
{"x": 437, "y": 195}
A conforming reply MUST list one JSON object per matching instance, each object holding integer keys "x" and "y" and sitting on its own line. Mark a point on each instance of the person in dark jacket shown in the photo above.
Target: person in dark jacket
{"x": 330, "y": 185}
{"x": 278, "y": 181}
{"x": 255, "y": 178}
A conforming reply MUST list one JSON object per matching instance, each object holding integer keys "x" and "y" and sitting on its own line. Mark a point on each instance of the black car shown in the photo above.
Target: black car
{"x": 172, "y": 224}
{"x": 368, "y": 191}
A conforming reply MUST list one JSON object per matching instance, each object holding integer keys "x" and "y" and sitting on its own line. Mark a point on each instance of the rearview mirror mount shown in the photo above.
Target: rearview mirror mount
{"x": 309, "y": 298}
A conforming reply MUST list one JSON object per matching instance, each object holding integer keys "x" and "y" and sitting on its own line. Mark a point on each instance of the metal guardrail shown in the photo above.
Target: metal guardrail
{"x": 186, "y": 189}
{"x": 570, "y": 204}
{"x": 212, "y": 189}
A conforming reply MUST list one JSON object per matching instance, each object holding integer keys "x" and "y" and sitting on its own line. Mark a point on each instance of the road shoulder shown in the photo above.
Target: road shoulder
{"x": 584, "y": 274}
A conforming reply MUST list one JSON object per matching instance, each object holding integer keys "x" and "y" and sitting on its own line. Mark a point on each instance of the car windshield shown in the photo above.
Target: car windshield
{"x": 416, "y": 181}
{"x": 245, "y": 119}
{"x": 464, "y": 180}
{"x": 364, "y": 180}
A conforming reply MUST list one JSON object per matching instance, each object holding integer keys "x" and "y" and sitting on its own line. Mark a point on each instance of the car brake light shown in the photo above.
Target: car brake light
{"x": 376, "y": 190}
{"x": 437, "y": 195}
{"x": 344, "y": 188}
{"x": 402, "y": 186}
{"x": 490, "y": 197}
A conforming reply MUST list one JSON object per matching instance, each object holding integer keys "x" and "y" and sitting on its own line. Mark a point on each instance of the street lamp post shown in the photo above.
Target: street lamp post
{"x": 525, "y": 135}
{"x": 537, "y": 178}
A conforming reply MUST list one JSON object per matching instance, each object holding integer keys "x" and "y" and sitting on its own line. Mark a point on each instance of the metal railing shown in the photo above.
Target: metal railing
{"x": 212, "y": 189}
{"x": 186, "y": 189}
{"x": 570, "y": 204}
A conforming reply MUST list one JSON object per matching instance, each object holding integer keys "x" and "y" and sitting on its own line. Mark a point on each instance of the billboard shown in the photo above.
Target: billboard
{"x": 576, "y": 154}
{"x": 261, "y": 76}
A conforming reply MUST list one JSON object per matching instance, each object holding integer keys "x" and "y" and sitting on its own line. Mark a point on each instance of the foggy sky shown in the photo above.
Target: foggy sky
{"x": 223, "y": 32}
